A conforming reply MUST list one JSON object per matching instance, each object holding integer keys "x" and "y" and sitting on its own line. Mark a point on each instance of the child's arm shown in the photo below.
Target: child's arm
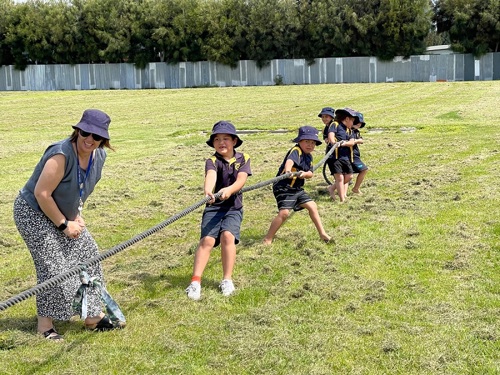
{"x": 227, "y": 191}
{"x": 288, "y": 169}
{"x": 209, "y": 184}
{"x": 306, "y": 175}
{"x": 331, "y": 138}
{"x": 288, "y": 166}
{"x": 349, "y": 143}
{"x": 358, "y": 141}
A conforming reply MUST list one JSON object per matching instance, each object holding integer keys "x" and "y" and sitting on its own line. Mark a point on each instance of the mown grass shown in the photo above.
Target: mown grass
{"x": 411, "y": 285}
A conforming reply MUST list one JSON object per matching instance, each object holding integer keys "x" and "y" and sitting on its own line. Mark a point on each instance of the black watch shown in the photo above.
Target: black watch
{"x": 63, "y": 226}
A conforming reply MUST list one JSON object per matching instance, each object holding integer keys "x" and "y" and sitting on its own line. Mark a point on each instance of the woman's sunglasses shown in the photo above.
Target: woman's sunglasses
{"x": 96, "y": 137}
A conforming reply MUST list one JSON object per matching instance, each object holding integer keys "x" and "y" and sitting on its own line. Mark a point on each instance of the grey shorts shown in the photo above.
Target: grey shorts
{"x": 213, "y": 223}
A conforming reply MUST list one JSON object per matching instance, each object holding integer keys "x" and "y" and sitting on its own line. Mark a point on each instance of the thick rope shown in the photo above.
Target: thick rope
{"x": 325, "y": 176}
{"x": 76, "y": 270}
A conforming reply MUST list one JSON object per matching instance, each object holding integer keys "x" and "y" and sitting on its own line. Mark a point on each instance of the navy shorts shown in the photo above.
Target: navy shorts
{"x": 214, "y": 222}
{"x": 290, "y": 198}
{"x": 358, "y": 165}
{"x": 341, "y": 166}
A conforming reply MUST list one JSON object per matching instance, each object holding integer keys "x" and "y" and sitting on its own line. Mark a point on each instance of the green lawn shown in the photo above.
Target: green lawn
{"x": 410, "y": 286}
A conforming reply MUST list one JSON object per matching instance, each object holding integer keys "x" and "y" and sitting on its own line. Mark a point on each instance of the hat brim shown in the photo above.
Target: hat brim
{"x": 298, "y": 139}
{"x": 210, "y": 141}
{"x": 331, "y": 114}
{"x": 89, "y": 128}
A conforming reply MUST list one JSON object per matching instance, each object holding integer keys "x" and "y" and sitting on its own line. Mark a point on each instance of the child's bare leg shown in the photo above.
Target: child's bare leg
{"x": 228, "y": 253}
{"x": 275, "y": 225}
{"x": 347, "y": 179}
{"x": 359, "y": 181}
{"x": 312, "y": 207}
{"x": 339, "y": 185}
{"x": 202, "y": 255}
{"x": 331, "y": 190}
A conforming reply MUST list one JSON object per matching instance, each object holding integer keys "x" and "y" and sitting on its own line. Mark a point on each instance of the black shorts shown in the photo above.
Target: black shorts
{"x": 290, "y": 198}
{"x": 341, "y": 166}
{"x": 358, "y": 165}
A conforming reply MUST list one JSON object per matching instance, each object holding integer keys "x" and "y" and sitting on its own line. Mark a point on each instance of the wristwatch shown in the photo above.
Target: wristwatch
{"x": 63, "y": 226}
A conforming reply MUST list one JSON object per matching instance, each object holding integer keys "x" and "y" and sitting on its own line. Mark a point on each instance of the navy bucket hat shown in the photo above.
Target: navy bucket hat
{"x": 308, "y": 132}
{"x": 361, "y": 120}
{"x": 348, "y": 112}
{"x": 327, "y": 111}
{"x": 224, "y": 127}
{"x": 94, "y": 121}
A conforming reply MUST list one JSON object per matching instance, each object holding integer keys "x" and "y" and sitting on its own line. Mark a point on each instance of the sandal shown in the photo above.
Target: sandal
{"x": 105, "y": 324}
{"x": 51, "y": 334}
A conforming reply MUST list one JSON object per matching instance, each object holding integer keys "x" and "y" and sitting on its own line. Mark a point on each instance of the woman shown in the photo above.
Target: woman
{"x": 48, "y": 215}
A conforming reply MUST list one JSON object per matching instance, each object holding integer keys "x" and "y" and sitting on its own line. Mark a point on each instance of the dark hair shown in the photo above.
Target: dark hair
{"x": 341, "y": 116}
{"x": 104, "y": 143}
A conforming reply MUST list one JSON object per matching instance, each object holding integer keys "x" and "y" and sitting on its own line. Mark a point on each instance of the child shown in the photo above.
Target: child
{"x": 358, "y": 166}
{"x": 225, "y": 172}
{"x": 288, "y": 192}
{"x": 340, "y": 163}
{"x": 327, "y": 115}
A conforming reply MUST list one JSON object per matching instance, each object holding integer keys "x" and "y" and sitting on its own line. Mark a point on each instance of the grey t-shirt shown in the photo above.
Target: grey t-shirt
{"x": 67, "y": 193}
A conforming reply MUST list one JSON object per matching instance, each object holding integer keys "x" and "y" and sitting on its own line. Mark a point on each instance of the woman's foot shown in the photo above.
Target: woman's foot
{"x": 52, "y": 335}
{"x": 104, "y": 324}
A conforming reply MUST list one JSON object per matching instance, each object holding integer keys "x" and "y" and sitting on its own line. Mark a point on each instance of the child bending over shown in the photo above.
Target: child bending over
{"x": 288, "y": 192}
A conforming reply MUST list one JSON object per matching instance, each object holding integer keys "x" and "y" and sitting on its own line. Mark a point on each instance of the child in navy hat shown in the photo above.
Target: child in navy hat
{"x": 226, "y": 172}
{"x": 340, "y": 162}
{"x": 289, "y": 193}
{"x": 357, "y": 165}
{"x": 327, "y": 115}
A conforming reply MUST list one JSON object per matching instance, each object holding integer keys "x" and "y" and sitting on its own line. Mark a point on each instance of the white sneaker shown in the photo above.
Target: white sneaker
{"x": 194, "y": 290}
{"x": 227, "y": 287}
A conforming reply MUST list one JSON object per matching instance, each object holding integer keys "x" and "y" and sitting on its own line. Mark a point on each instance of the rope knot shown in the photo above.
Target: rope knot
{"x": 80, "y": 304}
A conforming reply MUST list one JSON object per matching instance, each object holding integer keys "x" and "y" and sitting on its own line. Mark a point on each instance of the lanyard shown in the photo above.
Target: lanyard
{"x": 82, "y": 181}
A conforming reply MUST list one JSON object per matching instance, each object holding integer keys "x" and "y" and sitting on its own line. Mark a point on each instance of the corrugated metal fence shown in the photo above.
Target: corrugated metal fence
{"x": 424, "y": 68}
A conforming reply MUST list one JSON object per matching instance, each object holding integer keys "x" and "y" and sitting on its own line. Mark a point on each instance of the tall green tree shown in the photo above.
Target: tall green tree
{"x": 271, "y": 30}
{"x": 320, "y": 29}
{"x": 401, "y": 28}
{"x": 177, "y": 30}
{"x": 6, "y": 8}
{"x": 63, "y": 33}
{"x": 226, "y": 26}
{"x": 111, "y": 24}
{"x": 28, "y": 33}
{"x": 25, "y": 34}
{"x": 473, "y": 25}
{"x": 360, "y": 20}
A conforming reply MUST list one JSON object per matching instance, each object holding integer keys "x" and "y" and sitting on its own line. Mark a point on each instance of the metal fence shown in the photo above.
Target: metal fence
{"x": 423, "y": 68}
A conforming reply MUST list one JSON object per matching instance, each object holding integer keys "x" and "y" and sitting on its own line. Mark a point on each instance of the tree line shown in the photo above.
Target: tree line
{"x": 226, "y": 31}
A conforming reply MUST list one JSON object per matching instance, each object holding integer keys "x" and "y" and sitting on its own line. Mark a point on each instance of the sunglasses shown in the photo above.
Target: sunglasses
{"x": 96, "y": 137}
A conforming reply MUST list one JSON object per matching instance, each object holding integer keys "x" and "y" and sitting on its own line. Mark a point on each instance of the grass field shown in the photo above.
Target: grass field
{"x": 411, "y": 285}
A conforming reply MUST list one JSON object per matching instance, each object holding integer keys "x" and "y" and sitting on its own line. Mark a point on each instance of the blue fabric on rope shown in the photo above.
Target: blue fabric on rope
{"x": 80, "y": 304}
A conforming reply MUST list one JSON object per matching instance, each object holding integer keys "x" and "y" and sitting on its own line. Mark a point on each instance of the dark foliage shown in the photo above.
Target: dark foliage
{"x": 227, "y": 31}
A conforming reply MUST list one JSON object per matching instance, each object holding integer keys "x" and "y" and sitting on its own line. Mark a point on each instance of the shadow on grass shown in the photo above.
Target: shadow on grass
{"x": 21, "y": 332}
{"x": 156, "y": 286}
